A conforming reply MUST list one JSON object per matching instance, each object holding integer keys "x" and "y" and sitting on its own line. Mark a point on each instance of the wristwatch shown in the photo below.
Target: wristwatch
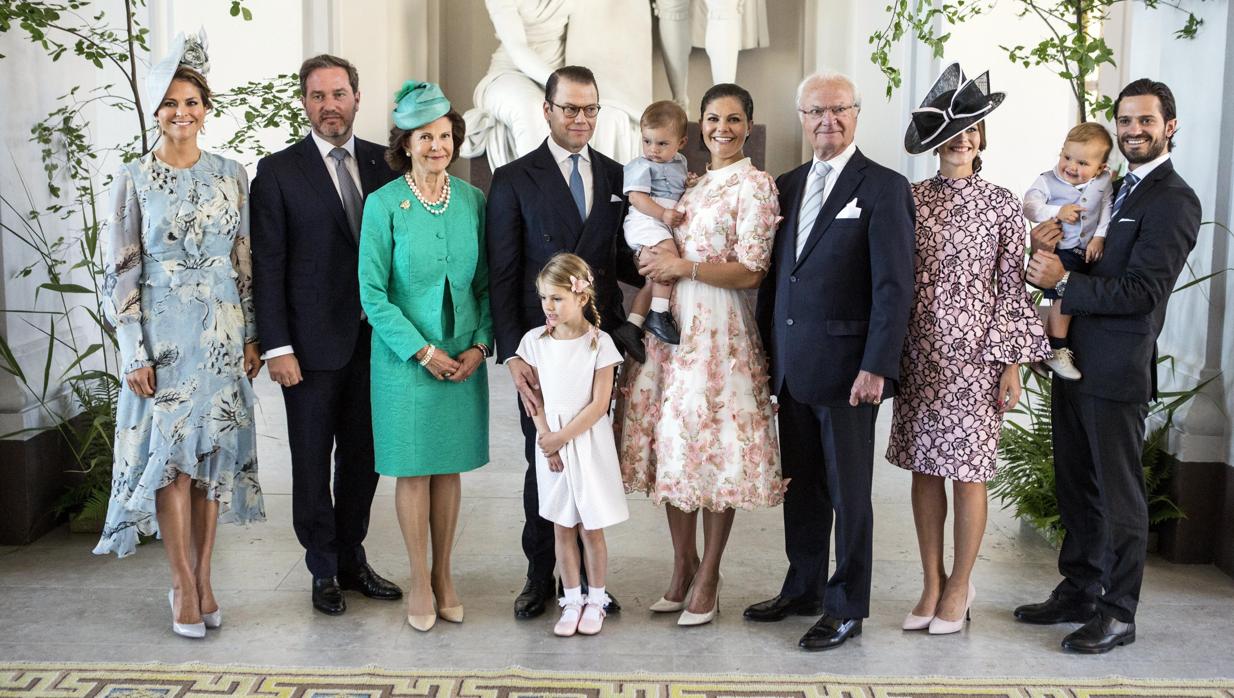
{"x": 1061, "y": 287}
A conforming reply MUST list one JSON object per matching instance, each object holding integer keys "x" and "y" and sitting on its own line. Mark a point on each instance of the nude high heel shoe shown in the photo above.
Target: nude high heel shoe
{"x": 666, "y": 606}
{"x": 423, "y": 623}
{"x": 193, "y": 630}
{"x": 690, "y": 619}
{"x": 939, "y": 626}
{"x": 451, "y": 614}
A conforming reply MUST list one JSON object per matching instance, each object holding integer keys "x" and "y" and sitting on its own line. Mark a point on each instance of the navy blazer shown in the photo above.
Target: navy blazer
{"x": 305, "y": 285}
{"x": 842, "y": 306}
{"x": 1119, "y": 305}
{"x": 530, "y": 217}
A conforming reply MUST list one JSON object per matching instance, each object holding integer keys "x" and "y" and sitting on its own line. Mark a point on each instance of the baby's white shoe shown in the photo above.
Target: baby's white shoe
{"x": 1063, "y": 364}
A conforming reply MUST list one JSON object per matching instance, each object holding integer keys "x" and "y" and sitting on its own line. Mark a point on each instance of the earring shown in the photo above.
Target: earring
{"x": 407, "y": 152}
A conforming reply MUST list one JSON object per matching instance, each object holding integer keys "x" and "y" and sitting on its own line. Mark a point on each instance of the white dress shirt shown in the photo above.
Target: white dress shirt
{"x": 1142, "y": 171}
{"x": 837, "y": 164}
{"x": 562, "y": 157}
{"x": 324, "y": 147}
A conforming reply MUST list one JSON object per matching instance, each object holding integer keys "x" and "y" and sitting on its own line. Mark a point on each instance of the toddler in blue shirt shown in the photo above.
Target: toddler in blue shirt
{"x": 1076, "y": 193}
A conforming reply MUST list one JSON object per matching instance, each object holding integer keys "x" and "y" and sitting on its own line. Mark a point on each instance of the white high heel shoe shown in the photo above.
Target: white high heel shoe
{"x": 666, "y": 606}
{"x": 193, "y": 630}
{"x": 213, "y": 620}
{"x": 939, "y": 626}
{"x": 689, "y": 619}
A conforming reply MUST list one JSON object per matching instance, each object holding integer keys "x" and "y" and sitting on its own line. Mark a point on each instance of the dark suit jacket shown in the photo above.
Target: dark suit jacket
{"x": 530, "y": 217}
{"x": 305, "y": 284}
{"x": 1119, "y": 305}
{"x": 842, "y": 307}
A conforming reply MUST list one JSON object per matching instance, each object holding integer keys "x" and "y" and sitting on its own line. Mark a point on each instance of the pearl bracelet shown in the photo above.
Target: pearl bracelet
{"x": 428, "y": 355}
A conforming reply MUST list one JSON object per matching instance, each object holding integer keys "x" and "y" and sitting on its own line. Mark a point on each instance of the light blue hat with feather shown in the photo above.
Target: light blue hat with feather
{"x": 186, "y": 49}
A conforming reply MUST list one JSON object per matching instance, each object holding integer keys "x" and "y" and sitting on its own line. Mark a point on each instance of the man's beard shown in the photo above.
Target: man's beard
{"x": 1152, "y": 151}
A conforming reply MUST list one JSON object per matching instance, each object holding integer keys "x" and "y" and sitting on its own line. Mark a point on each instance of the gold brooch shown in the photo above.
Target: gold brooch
{"x": 406, "y": 204}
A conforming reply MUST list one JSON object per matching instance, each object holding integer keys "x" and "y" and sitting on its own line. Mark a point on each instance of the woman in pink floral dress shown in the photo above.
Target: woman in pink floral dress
{"x": 970, "y": 327}
{"x": 695, "y": 420}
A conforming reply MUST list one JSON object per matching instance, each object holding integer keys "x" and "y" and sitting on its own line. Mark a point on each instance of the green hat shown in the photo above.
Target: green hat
{"x": 419, "y": 103}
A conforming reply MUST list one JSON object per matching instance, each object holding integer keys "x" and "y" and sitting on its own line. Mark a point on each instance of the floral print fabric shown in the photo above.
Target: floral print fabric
{"x": 971, "y": 316}
{"x": 695, "y": 422}
{"x": 178, "y": 289}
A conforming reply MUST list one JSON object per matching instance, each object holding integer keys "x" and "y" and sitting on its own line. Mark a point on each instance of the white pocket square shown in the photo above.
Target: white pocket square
{"x": 850, "y": 210}
{"x": 615, "y": 200}
{"x": 1126, "y": 220}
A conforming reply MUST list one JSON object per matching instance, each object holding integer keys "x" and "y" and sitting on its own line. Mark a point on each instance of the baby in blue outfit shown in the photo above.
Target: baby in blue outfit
{"x": 654, "y": 182}
{"x": 1076, "y": 193}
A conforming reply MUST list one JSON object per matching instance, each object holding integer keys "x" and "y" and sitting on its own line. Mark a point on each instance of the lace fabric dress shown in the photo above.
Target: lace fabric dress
{"x": 971, "y": 316}
{"x": 178, "y": 289}
{"x": 696, "y": 427}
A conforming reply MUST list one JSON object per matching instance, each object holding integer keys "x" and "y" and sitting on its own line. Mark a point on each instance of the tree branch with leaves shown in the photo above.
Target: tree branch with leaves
{"x": 1071, "y": 46}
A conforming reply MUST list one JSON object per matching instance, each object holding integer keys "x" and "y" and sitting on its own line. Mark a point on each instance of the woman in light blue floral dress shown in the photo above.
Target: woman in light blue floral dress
{"x": 178, "y": 289}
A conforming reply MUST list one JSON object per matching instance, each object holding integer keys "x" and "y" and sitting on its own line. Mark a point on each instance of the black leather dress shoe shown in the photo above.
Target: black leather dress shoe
{"x": 1100, "y": 635}
{"x": 663, "y": 327}
{"x": 629, "y": 338}
{"x": 782, "y": 607}
{"x": 535, "y": 596}
{"x": 370, "y": 584}
{"x": 829, "y": 633}
{"x": 327, "y": 597}
{"x": 1056, "y": 610}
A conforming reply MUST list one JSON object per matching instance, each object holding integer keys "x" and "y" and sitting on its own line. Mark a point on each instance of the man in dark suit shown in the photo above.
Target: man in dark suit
{"x": 833, "y": 312}
{"x": 562, "y": 196}
{"x": 1118, "y": 309}
{"x": 306, "y": 206}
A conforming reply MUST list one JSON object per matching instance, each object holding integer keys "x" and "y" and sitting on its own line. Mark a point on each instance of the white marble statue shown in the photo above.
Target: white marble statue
{"x": 722, "y": 27}
{"x": 612, "y": 37}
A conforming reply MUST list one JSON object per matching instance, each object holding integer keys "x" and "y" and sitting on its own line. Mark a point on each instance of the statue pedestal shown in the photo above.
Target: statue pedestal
{"x": 481, "y": 176}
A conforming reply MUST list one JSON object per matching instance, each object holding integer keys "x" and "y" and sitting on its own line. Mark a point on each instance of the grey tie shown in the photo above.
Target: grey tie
{"x": 811, "y": 203}
{"x": 576, "y": 188}
{"x": 353, "y": 204}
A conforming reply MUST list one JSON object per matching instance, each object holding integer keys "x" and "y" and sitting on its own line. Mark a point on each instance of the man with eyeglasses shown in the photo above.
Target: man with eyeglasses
{"x": 564, "y": 196}
{"x": 833, "y": 311}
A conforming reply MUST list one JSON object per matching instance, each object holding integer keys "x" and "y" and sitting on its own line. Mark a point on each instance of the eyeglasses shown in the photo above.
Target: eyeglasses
{"x": 572, "y": 111}
{"x": 836, "y": 111}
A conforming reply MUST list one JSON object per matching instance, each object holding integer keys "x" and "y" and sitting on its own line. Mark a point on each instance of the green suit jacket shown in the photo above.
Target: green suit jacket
{"x": 424, "y": 280}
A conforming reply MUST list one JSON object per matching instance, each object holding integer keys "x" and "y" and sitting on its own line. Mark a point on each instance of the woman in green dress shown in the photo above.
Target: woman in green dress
{"x": 424, "y": 286}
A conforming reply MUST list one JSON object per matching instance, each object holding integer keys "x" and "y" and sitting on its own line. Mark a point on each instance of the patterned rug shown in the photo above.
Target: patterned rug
{"x": 66, "y": 680}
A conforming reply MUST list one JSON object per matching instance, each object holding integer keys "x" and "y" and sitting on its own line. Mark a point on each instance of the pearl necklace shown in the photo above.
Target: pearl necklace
{"x": 437, "y": 207}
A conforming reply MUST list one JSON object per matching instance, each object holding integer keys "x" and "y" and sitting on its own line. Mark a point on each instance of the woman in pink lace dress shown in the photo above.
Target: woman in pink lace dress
{"x": 971, "y": 325}
{"x": 695, "y": 420}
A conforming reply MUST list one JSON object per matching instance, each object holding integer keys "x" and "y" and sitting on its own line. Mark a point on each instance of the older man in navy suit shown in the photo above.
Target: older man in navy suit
{"x": 833, "y": 311}
{"x": 562, "y": 196}
{"x": 306, "y": 206}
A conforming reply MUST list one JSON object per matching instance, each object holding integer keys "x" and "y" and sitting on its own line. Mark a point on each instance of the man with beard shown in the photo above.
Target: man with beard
{"x": 1118, "y": 309}
{"x": 307, "y": 202}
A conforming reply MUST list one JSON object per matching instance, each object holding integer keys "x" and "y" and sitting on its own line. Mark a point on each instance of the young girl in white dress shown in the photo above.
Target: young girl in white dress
{"x": 577, "y": 475}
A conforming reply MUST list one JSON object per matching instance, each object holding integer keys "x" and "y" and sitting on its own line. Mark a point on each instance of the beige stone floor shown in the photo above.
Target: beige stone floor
{"x": 57, "y": 601}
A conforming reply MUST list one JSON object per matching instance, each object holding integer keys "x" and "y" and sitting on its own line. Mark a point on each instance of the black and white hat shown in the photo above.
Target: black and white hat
{"x": 951, "y": 106}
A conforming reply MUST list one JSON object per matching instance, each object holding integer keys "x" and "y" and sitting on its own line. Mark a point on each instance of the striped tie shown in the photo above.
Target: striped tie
{"x": 811, "y": 203}
{"x": 1129, "y": 182}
